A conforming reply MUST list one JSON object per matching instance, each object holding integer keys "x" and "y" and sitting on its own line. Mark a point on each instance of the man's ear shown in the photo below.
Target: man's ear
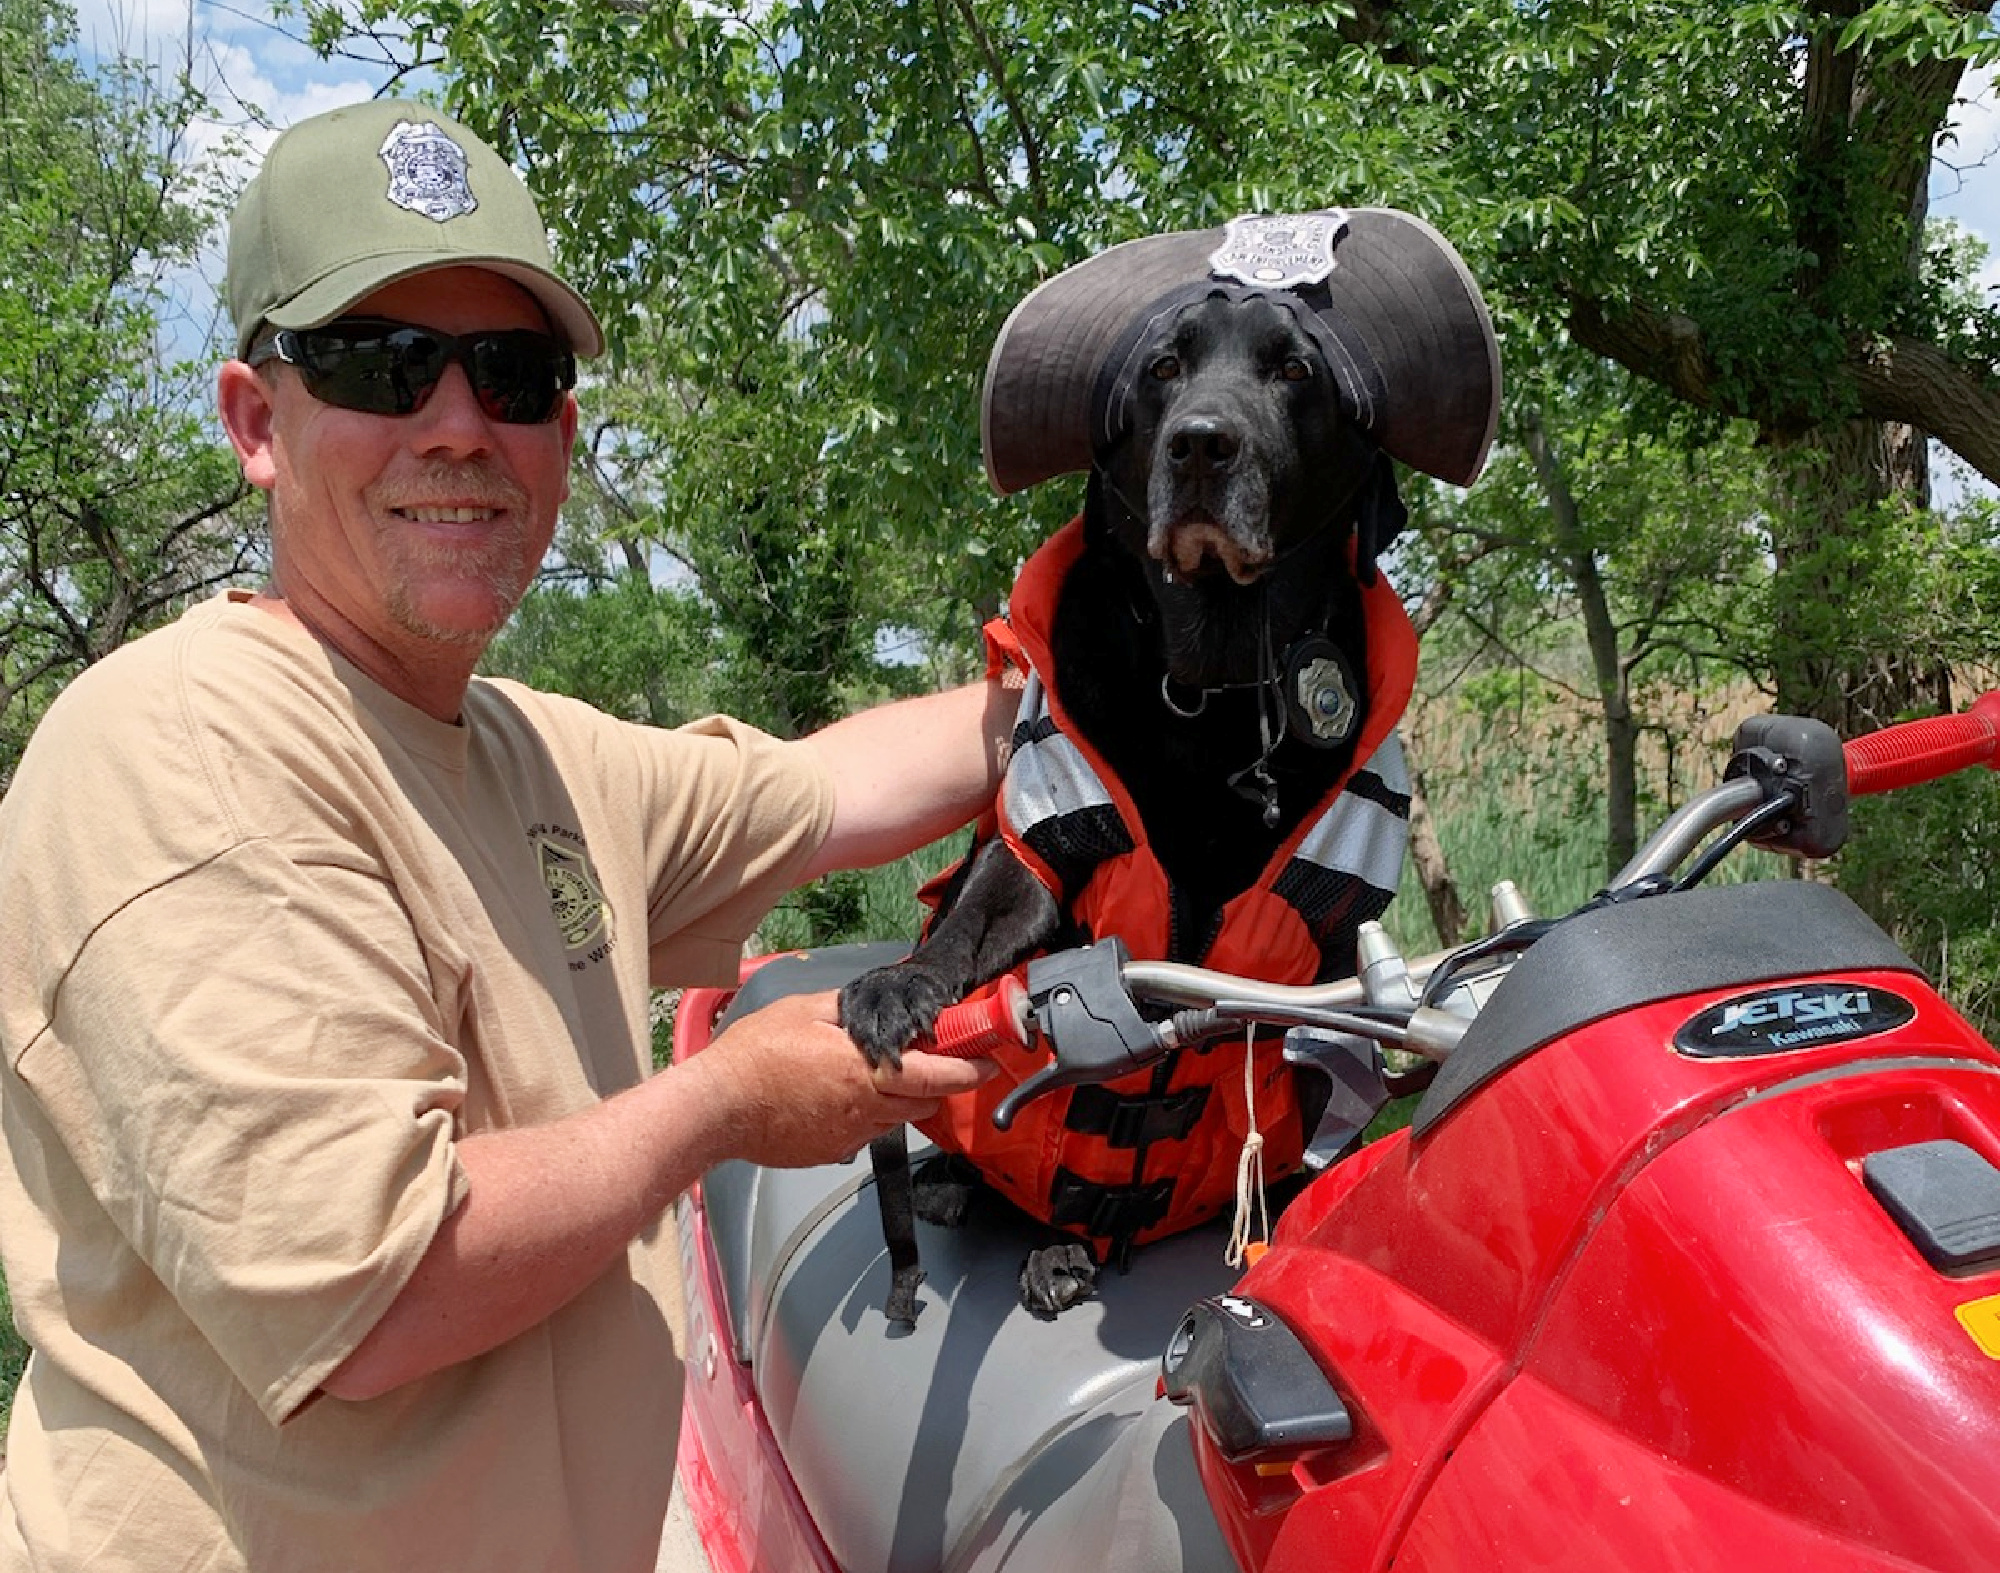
{"x": 569, "y": 425}
{"x": 244, "y": 399}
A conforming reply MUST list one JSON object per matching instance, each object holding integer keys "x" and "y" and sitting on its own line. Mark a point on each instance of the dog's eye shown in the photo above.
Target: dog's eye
{"x": 1296, "y": 369}
{"x": 1167, "y": 367}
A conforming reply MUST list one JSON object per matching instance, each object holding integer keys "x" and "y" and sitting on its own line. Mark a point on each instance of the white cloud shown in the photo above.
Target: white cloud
{"x": 260, "y": 87}
{"x": 254, "y": 68}
{"x": 151, "y": 29}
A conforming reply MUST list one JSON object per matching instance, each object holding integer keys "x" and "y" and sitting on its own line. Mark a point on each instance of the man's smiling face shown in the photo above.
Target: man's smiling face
{"x": 420, "y": 529}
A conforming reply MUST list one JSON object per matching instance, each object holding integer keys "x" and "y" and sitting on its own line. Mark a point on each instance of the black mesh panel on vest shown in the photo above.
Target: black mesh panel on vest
{"x": 1333, "y": 904}
{"x": 1075, "y": 843}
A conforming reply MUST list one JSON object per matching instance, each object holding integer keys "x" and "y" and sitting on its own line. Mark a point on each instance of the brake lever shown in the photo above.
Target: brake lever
{"x": 1077, "y": 1000}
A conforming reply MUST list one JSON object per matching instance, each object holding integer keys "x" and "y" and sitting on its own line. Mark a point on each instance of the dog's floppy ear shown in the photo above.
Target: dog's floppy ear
{"x": 1379, "y": 516}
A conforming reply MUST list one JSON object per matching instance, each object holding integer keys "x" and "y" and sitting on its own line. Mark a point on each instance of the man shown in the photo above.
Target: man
{"x": 334, "y": 1180}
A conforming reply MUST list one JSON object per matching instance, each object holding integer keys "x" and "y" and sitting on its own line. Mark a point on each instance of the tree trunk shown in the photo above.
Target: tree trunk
{"x": 1837, "y": 553}
{"x": 1427, "y": 853}
{"x": 1621, "y": 728}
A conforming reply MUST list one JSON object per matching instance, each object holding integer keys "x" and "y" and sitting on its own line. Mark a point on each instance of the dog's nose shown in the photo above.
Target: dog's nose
{"x": 1202, "y": 446}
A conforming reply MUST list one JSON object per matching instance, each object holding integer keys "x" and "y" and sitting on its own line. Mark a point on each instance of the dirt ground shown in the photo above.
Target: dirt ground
{"x": 680, "y": 1552}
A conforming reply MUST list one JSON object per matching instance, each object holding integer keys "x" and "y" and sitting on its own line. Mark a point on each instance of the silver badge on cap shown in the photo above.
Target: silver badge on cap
{"x": 1279, "y": 250}
{"x": 427, "y": 171}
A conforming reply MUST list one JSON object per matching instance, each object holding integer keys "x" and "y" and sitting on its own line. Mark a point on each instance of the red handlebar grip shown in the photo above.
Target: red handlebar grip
{"x": 974, "y": 1028}
{"x": 1918, "y": 751}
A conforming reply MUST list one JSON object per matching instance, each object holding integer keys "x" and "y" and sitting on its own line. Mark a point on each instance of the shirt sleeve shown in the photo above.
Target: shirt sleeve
{"x": 248, "y": 1066}
{"x": 736, "y": 816}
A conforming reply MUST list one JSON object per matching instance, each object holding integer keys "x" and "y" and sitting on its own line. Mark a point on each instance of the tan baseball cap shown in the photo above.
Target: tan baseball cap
{"x": 357, "y": 198}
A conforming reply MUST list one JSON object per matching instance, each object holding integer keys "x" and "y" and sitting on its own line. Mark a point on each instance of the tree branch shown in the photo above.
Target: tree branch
{"x": 1913, "y": 381}
{"x": 1899, "y": 378}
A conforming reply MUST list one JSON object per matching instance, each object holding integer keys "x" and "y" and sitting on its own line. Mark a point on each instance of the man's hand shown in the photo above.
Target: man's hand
{"x": 792, "y": 1089}
{"x": 547, "y": 1208}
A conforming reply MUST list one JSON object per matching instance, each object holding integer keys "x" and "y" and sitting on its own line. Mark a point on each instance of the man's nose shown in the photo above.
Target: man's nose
{"x": 451, "y": 419}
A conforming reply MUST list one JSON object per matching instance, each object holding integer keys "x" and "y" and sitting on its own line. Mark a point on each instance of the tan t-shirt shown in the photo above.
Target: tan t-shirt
{"x": 272, "y": 940}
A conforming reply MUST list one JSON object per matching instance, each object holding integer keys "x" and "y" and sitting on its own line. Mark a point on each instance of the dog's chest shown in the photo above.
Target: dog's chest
{"x": 1191, "y": 779}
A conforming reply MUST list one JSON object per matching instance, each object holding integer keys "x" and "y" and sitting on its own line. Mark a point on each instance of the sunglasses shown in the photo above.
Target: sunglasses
{"x": 380, "y": 367}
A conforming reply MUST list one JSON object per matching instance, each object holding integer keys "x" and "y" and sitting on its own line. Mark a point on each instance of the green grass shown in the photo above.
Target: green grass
{"x": 1517, "y": 792}
{"x": 13, "y": 1359}
{"x": 861, "y": 904}
{"x": 1552, "y": 851}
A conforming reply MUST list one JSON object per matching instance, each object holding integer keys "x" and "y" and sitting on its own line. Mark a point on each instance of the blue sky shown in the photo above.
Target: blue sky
{"x": 243, "y": 54}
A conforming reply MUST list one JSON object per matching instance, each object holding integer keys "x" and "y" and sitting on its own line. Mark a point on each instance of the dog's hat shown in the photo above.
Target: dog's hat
{"x": 1405, "y": 330}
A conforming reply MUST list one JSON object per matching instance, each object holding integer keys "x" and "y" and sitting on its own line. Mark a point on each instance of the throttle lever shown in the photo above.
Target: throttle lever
{"x": 1077, "y": 999}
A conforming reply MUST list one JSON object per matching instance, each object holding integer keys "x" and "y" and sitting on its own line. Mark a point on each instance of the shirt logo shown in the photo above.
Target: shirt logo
{"x": 1279, "y": 250}
{"x": 427, "y": 172}
{"x": 583, "y": 916}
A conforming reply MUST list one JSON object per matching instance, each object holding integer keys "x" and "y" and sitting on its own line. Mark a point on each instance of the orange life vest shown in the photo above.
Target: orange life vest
{"x": 1156, "y": 1152}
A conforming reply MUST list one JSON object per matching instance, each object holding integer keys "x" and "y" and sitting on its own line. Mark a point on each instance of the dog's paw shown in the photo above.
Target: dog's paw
{"x": 887, "y": 1010}
{"x": 1056, "y": 1277}
{"x": 943, "y": 1187}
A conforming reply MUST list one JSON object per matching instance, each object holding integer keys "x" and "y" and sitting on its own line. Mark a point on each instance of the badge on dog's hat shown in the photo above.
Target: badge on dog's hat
{"x": 1281, "y": 252}
{"x": 1389, "y": 291}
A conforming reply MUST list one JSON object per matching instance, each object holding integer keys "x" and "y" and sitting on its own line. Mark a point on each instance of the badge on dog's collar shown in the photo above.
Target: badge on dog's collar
{"x": 1279, "y": 250}
{"x": 1320, "y": 706}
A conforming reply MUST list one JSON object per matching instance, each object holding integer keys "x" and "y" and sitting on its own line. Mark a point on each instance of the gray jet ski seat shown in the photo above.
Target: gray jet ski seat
{"x": 986, "y": 1438}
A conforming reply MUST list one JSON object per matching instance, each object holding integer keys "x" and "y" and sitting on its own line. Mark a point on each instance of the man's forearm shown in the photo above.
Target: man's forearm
{"x": 549, "y": 1209}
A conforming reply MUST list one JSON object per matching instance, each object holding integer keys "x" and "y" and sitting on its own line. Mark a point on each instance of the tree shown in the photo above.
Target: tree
{"x": 117, "y": 504}
{"x": 1612, "y": 555}
{"x": 805, "y": 224}
{"x": 1729, "y": 200}
{"x": 1724, "y": 198}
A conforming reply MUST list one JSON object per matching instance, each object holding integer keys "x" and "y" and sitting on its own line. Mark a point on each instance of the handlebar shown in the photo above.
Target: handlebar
{"x": 976, "y": 1027}
{"x": 1086, "y": 1002}
{"x": 1917, "y": 751}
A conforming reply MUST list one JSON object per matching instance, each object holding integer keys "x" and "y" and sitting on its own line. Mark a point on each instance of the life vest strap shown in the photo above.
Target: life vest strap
{"x": 1135, "y": 1120}
{"x": 1107, "y": 1212}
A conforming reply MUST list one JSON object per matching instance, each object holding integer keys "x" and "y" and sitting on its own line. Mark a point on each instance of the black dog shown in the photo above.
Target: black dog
{"x": 1228, "y": 534}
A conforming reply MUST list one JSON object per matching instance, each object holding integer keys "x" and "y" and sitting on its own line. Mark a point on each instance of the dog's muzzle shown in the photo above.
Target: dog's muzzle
{"x": 1187, "y": 549}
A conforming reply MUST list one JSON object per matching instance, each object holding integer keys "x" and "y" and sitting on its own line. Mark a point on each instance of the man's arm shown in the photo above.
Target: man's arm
{"x": 906, "y": 773}
{"x": 550, "y": 1208}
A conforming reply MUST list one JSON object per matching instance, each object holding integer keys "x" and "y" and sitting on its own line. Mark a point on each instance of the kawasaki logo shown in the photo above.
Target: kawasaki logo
{"x": 1777, "y": 1021}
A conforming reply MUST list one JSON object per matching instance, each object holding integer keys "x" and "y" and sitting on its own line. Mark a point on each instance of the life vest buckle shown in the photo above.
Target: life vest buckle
{"x": 1107, "y": 1212}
